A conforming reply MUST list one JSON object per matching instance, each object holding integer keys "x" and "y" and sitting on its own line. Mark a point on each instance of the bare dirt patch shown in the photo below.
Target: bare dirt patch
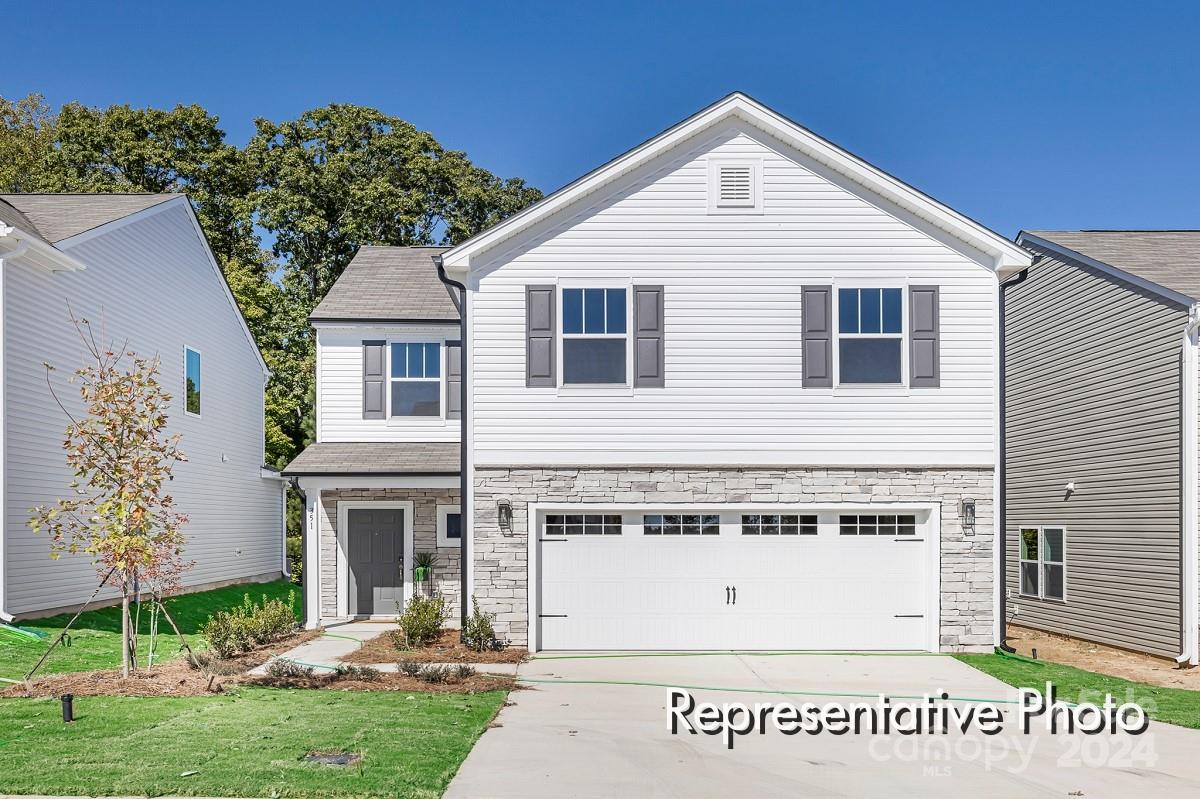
{"x": 173, "y": 678}
{"x": 1101, "y": 659}
{"x": 446, "y": 649}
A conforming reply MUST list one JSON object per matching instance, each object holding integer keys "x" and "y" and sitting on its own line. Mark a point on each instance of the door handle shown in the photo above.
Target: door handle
{"x": 726, "y": 595}
{"x": 735, "y": 595}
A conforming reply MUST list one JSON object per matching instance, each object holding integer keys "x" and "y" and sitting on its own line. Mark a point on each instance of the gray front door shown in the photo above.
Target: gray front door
{"x": 375, "y": 540}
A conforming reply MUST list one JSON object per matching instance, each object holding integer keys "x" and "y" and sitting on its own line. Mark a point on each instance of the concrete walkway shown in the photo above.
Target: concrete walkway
{"x": 579, "y": 732}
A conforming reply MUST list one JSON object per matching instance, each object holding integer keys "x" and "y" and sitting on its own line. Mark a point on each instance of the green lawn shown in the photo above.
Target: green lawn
{"x": 96, "y": 637}
{"x": 1175, "y": 705}
{"x": 247, "y": 743}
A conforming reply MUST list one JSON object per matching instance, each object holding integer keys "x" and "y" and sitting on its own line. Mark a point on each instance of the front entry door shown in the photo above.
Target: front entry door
{"x": 375, "y": 540}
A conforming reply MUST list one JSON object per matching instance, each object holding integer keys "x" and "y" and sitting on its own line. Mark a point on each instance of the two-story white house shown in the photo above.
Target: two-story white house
{"x": 137, "y": 267}
{"x": 735, "y": 389}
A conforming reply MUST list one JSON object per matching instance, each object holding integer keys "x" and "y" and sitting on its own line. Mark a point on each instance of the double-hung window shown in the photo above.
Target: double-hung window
{"x": 594, "y": 335}
{"x": 870, "y": 336}
{"x": 1043, "y": 562}
{"x": 415, "y": 379}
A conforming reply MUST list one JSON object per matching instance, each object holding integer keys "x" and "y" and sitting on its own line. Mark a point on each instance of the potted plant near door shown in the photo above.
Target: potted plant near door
{"x": 423, "y": 563}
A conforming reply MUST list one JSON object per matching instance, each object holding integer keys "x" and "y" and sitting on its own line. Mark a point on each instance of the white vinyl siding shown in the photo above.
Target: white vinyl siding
{"x": 339, "y": 384}
{"x": 148, "y": 283}
{"x": 732, "y": 289}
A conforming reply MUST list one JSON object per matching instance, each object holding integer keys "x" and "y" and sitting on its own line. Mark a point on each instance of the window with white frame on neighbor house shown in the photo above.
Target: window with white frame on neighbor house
{"x": 415, "y": 379}
{"x": 1043, "y": 562}
{"x": 871, "y": 336}
{"x": 449, "y": 525}
{"x": 594, "y": 337}
{"x": 191, "y": 381}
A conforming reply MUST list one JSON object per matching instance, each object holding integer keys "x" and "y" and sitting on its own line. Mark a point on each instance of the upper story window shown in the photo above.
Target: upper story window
{"x": 415, "y": 379}
{"x": 191, "y": 381}
{"x": 870, "y": 335}
{"x": 595, "y": 341}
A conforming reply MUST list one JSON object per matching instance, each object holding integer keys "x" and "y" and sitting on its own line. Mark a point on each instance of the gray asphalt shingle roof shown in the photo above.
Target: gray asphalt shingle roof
{"x": 366, "y": 458}
{"x": 389, "y": 284}
{"x": 59, "y": 216}
{"x": 1170, "y": 258}
{"x": 12, "y": 217}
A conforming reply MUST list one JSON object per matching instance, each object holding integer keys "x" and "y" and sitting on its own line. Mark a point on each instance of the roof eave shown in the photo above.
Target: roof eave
{"x": 1004, "y": 253}
{"x": 1058, "y": 249}
{"x": 30, "y": 249}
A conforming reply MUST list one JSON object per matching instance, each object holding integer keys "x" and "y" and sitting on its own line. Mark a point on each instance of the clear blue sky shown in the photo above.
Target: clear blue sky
{"x": 1039, "y": 115}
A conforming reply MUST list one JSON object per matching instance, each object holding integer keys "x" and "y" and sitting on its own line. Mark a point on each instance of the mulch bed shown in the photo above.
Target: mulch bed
{"x": 389, "y": 682}
{"x": 173, "y": 678}
{"x": 446, "y": 649}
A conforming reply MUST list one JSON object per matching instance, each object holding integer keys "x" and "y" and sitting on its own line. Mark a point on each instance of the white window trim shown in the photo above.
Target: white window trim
{"x": 200, "y": 355}
{"x": 837, "y": 286}
{"x": 442, "y": 512}
{"x": 715, "y": 206}
{"x": 1042, "y": 562}
{"x": 438, "y": 420}
{"x": 343, "y": 552}
{"x": 560, "y": 291}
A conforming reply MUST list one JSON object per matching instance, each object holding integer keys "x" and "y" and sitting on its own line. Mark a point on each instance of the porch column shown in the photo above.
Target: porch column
{"x": 312, "y": 557}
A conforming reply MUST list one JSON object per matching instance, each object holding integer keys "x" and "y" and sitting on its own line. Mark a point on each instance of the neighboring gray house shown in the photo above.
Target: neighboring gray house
{"x": 736, "y": 388}
{"x": 1101, "y": 415}
{"x": 137, "y": 266}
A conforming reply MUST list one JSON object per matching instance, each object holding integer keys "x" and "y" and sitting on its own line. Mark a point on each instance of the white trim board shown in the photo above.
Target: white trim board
{"x": 343, "y": 566}
{"x": 1005, "y": 254}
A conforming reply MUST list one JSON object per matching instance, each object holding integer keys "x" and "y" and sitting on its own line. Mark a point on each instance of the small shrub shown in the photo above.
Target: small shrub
{"x": 295, "y": 556}
{"x": 479, "y": 633}
{"x": 232, "y": 632}
{"x": 283, "y": 669}
{"x": 462, "y": 671}
{"x": 422, "y": 620}
{"x": 436, "y": 674}
{"x": 349, "y": 671}
{"x": 408, "y": 668}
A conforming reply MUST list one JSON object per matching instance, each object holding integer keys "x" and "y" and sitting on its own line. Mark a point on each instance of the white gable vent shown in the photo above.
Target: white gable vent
{"x": 735, "y": 186}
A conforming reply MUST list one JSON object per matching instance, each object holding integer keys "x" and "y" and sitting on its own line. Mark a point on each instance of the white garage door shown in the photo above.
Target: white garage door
{"x": 778, "y": 580}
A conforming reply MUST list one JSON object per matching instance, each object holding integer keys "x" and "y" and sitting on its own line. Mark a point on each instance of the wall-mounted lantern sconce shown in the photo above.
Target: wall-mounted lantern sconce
{"x": 504, "y": 514}
{"x": 966, "y": 512}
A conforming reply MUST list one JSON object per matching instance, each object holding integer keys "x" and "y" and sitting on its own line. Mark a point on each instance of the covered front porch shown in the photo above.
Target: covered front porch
{"x": 371, "y": 511}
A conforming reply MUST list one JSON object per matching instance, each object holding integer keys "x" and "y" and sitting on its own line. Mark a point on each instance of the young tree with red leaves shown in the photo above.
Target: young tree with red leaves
{"x": 122, "y": 459}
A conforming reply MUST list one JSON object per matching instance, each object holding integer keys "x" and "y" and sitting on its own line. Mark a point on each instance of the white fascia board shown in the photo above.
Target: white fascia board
{"x": 19, "y": 246}
{"x": 1005, "y": 253}
{"x": 1114, "y": 271}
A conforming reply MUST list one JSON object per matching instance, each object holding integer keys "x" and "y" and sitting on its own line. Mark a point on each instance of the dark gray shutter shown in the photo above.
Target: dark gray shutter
{"x": 453, "y": 380}
{"x": 816, "y": 332}
{"x": 923, "y": 336}
{"x": 648, "y": 353}
{"x": 374, "y": 382}
{"x": 539, "y": 336}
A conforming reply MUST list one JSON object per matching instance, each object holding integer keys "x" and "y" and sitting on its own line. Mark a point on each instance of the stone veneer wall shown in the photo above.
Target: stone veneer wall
{"x": 500, "y": 556}
{"x": 425, "y": 502}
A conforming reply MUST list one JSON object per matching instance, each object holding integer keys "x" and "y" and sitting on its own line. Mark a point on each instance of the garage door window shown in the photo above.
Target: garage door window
{"x": 786, "y": 524}
{"x": 689, "y": 524}
{"x": 872, "y": 524}
{"x": 1043, "y": 562}
{"x": 584, "y": 524}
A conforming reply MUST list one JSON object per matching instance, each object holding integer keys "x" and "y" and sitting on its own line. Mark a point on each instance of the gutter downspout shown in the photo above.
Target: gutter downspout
{"x": 305, "y": 576}
{"x": 463, "y": 477}
{"x": 1001, "y": 473}
{"x": 1190, "y": 549}
{"x": 5, "y": 616}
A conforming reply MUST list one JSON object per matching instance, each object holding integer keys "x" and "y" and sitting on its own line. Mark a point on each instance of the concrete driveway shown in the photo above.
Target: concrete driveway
{"x": 574, "y": 733}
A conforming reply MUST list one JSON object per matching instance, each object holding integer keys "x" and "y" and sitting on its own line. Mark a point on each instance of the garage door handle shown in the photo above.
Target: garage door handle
{"x": 735, "y": 595}
{"x": 909, "y": 616}
{"x": 907, "y": 540}
{"x": 726, "y": 595}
